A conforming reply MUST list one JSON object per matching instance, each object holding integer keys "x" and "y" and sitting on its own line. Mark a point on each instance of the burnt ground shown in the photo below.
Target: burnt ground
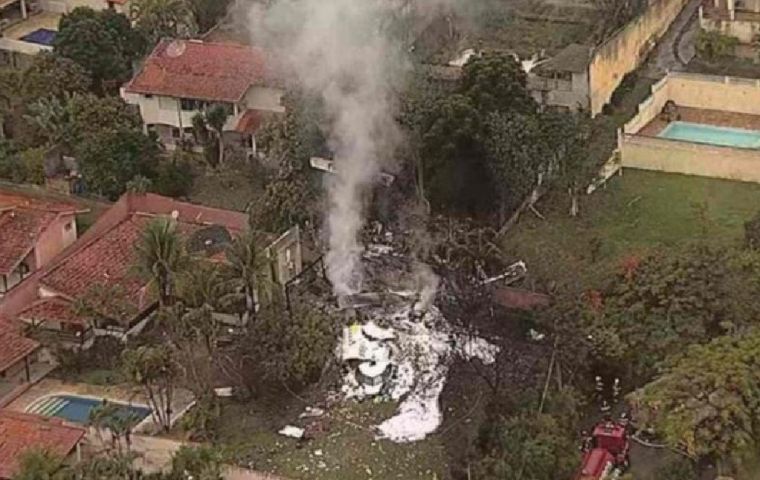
{"x": 471, "y": 387}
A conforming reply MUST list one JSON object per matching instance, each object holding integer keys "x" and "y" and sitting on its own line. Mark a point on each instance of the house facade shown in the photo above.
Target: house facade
{"x": 735, "y": 18}
{"x": 17, "y": 356}
{"x": 33, "y": 232}
{"x": 184, "y": 78}
{"x": 563, "y": 80}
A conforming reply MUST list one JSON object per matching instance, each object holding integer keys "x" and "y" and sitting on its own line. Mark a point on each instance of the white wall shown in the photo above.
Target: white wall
{"x": 264, "y": 98}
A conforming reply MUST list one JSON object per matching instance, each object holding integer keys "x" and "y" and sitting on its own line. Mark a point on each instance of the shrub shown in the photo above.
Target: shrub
{"x": 32, "y": 161}
{"x": 174, "y": 178}
{"x": 712, "y": 46}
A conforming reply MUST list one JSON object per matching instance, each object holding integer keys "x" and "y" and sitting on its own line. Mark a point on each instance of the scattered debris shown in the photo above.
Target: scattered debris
{"x": 312, "y": 412}
{"x": 513, "y": 273}
{"x": 223, "y": 392}
{"x": 292, "y": 432}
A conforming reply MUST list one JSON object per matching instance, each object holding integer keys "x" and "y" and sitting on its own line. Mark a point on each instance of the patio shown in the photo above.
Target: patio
{"x": 41, "y": 20}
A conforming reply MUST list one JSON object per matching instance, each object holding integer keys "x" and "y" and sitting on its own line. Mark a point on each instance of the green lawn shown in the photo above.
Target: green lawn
{"x": 346, "y": 450}
{"x": 634, "y": 213}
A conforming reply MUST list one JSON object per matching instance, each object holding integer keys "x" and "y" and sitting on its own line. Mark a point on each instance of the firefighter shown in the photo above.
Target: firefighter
{"x": 616, "y": 390}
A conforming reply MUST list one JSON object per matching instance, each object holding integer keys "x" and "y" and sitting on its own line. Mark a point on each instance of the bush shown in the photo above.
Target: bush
{"x": 678, "y": 469}
{"x": 712, "y": 46}
{"x": 174, "y": 178}
{"x": 32, "y": 161}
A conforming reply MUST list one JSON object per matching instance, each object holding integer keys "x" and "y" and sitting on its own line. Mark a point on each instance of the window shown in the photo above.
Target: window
{"x": 69, "y": 226}
{"x": 148, "y": 95}
{"x": 175, "y": 132}
{"x": 191, "y": 105}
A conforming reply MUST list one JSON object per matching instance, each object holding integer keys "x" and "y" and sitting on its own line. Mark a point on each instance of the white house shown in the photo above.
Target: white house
{"x": 181, "y": 78}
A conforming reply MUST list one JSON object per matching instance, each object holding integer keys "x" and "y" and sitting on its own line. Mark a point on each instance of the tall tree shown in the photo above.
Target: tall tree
{"x": 160, "y": 257}
{"x": 207, "y": 13}
{"x": 200, "y": 463}
{"x": 216, "y": 117}
{"x": 495, "y": 81}
{"x": 157, "y": 19}
{"x": 103, "y": 43}
{"x": 707, "y": 400}
{"x": 249, "y": 268}
{"x": 111, "y": 159}
{"x": 53, "y": 75}
{"x": 153, "y": 369}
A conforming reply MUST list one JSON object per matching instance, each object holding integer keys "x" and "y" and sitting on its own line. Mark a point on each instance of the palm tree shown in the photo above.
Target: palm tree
{"x": 216, "y": 117}
{"x": 248, "y": 270}
{"x": 154, "y": 369}
{"x": 160, "y": 256}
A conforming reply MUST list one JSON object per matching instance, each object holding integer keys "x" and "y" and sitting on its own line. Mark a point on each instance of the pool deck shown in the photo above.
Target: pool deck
{"x": 716, "y": 118}
{"x": 48, "y": 20}
{"x": 121, "y": 393}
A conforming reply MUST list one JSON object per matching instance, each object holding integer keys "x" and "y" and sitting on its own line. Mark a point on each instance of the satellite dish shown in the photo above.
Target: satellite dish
{"x": 175, "y": 214}
{"x": 176, "y": 48}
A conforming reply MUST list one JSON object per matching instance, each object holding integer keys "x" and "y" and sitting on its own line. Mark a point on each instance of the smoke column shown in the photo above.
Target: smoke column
{"x": 343, "y": 51}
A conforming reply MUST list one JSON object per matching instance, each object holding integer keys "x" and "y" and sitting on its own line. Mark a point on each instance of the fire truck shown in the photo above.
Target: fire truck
{"x": 606, "y": 455}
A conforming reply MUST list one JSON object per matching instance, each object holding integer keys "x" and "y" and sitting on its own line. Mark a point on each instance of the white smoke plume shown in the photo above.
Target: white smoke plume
{"x": 343, "y": 51}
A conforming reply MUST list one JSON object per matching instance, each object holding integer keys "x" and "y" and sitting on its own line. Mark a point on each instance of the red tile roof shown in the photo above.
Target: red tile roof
{"x": 51, "y": 309}
{"x": 20, "y": 228}
{"x": 12, "y": 199}
{"x": 107, "y": 260}
{"x": 249, "y": 122}
{"x": 21, "y": 433}
{"x": 13, "y": 345}
{"x": 217, "y": 72}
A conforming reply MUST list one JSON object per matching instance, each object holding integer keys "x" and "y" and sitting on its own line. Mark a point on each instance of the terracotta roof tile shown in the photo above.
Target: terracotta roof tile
{"x": 51, "y": 309}
{"x": 21, "y": 433}
{"x": 107, "y": 260}
{"x": 14, "y": 346}
{"x": 221, "y": 72}
{"x": 249, "y": 122}
{"x": 19, "y": 229}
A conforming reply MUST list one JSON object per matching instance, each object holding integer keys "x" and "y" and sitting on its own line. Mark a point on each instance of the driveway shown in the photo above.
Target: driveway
{"x": 676, "y": 48}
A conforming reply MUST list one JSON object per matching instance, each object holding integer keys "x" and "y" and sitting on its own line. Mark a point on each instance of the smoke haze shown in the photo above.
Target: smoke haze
{"x": 343, "y": 51}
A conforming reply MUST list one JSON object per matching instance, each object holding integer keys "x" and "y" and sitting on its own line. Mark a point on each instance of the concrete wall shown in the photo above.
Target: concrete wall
{"x": 554, "y": 92}
{"x": 744, "y": 30}
{"x": 651, "y": 107}
{"x": 666, "y": 155}
{"x": 627, "y": 49}
{"x": 288, "y": 261}
{"x": 59, "y": 235}
{"x": 264, "y": 98}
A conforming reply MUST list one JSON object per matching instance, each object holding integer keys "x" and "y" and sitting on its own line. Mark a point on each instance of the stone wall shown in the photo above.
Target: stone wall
{"x": 625, "y": 51}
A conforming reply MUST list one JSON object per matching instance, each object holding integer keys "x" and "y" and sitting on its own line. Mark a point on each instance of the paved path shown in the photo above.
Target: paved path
{"x": 677, "y": 46}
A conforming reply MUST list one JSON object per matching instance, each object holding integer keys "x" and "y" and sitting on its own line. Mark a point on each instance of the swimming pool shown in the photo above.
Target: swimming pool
{"x": 41, "y": 36}
{"x": 700, "y": 133}
{"x": 77, "y": 409}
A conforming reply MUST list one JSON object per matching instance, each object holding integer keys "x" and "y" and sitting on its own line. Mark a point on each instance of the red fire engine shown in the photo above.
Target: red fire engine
{"x": 607, "y": 455}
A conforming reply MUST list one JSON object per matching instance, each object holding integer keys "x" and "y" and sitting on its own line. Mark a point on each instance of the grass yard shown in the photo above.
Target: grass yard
{"x": 346, "y": 449}
{"x": 634, "y": 213}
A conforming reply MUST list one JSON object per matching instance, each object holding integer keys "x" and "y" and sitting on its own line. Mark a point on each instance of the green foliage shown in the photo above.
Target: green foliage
{"x": 161, "y": 255}
{"x": 285, "y": 202}
{"x": 200, "y": 421}
{"x": 496, "y": 82}
{"x": 531, "y": 446}
{"x": 707, "y": 401}
{"x": 32, "y": 162}
{"x": 53, "y": 75}
{"x": 158, "y": 19}
{"x": 207, "y": 13}
{"x": 109, "y": 160}
{"x": 248, "y": 269}
{"x": 174, "y": 178}
{"x": 40, "y": 465}
{"x": 678, "y": 469}
{"x": 714, "y": 45}
{"x": 102, "y": 42}
{"x": 292, "y": 347}
{"x": 153, "y": 369}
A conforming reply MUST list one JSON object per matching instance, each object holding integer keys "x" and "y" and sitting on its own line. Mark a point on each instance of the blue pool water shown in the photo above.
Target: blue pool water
{"x": 77, "y": 409}
{"x": 41, "y": 36}
{"x": 700, "y": 133}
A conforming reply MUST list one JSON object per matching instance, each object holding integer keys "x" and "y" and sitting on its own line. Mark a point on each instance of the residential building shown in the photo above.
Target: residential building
{"x": 32, "y": 232}
{"x": 22, "y": 433}
{"x": 17, "y": 356}
{"x": 103, "y": 261}
{"x": 735, "y": 18}
{"x": 182, "y": 78}
{"x": 563, "y": 80}
{"x": 28, "y": 27}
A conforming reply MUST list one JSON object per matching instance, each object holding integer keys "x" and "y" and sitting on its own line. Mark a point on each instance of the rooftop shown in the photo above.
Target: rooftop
{"x": 13, "y": 346}
{"x": 21, "y": 433}
{"x": 51, "y": 309}
{"x": 22, "y": 220}
{"x": 217, "y": 72}
{"x": 574, "y": 58}
{"x": 107, "y": 256}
